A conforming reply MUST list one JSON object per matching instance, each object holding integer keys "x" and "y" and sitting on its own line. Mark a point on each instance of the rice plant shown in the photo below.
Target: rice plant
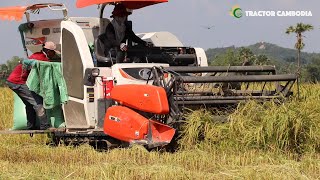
{"x": 256, "y": 141}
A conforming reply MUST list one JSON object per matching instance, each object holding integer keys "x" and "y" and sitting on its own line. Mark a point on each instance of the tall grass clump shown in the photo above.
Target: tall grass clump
{"x": 6, "y": 108}
{"x": 204, "y": 128}
{"x": 292, "y": 126}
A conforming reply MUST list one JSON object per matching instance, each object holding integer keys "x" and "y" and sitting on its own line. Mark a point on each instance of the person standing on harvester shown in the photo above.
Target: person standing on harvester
{"x": 33, "y": 102}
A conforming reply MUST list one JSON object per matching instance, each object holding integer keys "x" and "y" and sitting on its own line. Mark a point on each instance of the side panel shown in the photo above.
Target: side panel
{"x": 50, "y": 30}
{"x": 72, "y": 65}
{"x": 121, "y": 77}
{"x": 102, "y": 104}
{"x": 91, "y": 26}
{"x": 127, "y": 125}
{"x": 44, "y": 30}
{"x": 201, "y": 57}
{"x": 161, "y": 39}
{"x": 76, "y": 57}
{"x": 145, "y": 98}
{"x": 75, "y": 115}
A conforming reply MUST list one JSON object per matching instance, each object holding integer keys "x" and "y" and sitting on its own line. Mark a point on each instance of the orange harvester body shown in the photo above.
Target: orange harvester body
{"x": 147, "y": 98}
{"x": 128, "y": 125}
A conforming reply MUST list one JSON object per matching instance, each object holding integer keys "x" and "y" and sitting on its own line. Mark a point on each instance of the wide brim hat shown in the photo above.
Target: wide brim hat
{"x": 120, "y": 10}
{"x": 51, "y": 46}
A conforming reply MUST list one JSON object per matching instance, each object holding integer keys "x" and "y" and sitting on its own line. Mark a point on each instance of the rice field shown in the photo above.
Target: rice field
{"x": 256, "y": 141}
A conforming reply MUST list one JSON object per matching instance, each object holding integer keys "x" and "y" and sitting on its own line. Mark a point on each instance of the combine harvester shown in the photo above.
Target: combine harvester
{"x": 142, "y": 102}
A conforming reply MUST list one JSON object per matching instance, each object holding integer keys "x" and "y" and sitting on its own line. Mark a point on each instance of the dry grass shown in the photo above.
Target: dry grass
{"x": 293, "y": 126}
{"x": 252, "y": 145}
{"x": 6, "y": 108}
{"x": 42, "y": 162}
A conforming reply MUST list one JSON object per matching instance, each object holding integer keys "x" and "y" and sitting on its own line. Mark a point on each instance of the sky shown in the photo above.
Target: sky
{"x": 188, "y": 19}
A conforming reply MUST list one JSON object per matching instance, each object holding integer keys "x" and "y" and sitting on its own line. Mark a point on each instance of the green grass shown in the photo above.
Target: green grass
{"x": 257, "y": 141}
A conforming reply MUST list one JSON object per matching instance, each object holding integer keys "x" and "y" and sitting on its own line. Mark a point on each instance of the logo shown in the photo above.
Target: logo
{"x": 35, "y": 41}
{"x": 145, "y": 74}
{"x": 56, "y": 30}
{"x": 236, "y": 11}
{"x": 113, "y": 118}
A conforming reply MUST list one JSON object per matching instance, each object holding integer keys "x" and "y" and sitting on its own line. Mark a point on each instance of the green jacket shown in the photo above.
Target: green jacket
{"x": 46, "y": 79}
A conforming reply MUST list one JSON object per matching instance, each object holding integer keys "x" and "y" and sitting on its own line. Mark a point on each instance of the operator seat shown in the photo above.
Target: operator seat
{"x": 102, "y": 59}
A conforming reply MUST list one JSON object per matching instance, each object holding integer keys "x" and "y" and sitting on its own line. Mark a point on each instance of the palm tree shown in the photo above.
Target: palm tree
{"x": 298, "y": 30}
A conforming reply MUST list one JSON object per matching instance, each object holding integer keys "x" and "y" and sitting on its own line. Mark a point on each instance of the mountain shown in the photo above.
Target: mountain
{"x": 272, "y": 51}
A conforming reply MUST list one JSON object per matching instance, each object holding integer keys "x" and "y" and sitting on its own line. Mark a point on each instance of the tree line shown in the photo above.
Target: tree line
{"x": 6, "y": 68}
{"x": 307, "y": 70}
{"x": 310, "y": 72}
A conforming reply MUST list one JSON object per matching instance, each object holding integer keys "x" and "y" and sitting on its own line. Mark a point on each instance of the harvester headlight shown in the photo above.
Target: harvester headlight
{"x": 95, "y": 72}
{"x": 90, "y": 76}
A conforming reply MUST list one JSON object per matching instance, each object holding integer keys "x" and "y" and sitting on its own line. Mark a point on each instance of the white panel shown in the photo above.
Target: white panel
{"x": 87, "y": 62}
{"x": 31, "y": 37}
{"x": 81, "y": 43}
{"x": 201, "y": 57}
{"x": 121, "y": 80}
{"x": 162, "y": 39}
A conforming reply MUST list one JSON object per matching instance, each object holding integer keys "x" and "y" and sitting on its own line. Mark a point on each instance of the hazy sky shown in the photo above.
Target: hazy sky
{"x": 187, "y": 19}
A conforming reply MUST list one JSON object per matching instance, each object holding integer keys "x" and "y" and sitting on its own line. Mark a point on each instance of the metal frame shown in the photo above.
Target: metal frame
{"x": 179, "y": 78}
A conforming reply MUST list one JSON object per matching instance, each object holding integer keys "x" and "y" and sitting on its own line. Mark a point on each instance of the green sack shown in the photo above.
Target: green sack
{"x": 56, "y": 117}
{"x": 19, "y": 114}
{"x": 20, "y": 118}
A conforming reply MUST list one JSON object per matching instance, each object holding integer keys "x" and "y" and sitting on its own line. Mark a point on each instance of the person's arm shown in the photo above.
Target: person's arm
{"x": 132, "y": 36}
{"x": 40, "y": 56}
{"x": 32, "y": 56}
{"x": 31, "y": 61}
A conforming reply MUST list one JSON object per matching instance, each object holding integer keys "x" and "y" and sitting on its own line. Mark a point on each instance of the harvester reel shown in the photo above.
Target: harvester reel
{"x": 219, "y": 86}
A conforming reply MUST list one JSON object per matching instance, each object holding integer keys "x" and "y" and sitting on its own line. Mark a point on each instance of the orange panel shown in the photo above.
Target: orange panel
{"x": 130, "y": 4}
{"x": 161, "y": 133}
{"x": 124, "y": 124}
{"x": 12, "y": 13}
{"x": 127, "y": 125}
{"x": 16, "y": 12}
{"x": 145, "y": 98}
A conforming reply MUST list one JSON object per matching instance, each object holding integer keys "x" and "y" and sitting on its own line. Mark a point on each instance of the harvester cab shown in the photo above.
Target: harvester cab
{"x": 141, "y": 101}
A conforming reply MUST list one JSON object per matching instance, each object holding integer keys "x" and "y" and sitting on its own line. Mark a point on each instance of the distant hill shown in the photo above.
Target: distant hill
{"x": 272, "y": 51}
